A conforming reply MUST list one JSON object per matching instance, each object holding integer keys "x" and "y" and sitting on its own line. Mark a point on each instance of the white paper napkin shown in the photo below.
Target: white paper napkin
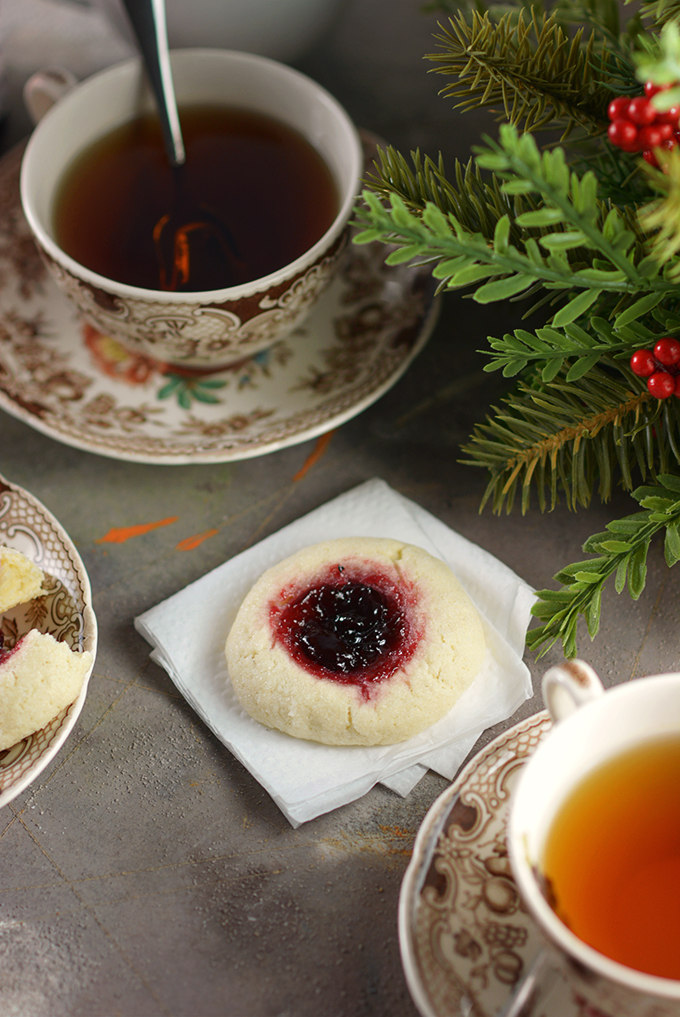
{"x": 188, "y": 632}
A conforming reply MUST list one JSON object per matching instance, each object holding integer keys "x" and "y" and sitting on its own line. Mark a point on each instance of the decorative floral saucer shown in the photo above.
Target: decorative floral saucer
{"x": 465, "y": 939}
{"x": 65, "y": 611}
{"x": 81, "y": 387}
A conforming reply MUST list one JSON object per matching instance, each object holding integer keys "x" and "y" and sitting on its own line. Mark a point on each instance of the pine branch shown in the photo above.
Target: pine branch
{"x": 598, "y": 241}
{"x": 552, "y": 347}
{"x": 580, "y": 238}
{"x": 621, "y": 551}
{"x": 658, "y": 61}
{"x": 602, "y": 16}
{"x": 661, "y": 218}
{"x": 660, "y": 11}
{"x": 622, "y": 181}
{"x": 529, "y": 66}
{"x": 567, "y": 199}
{"x": 477, "y": 204}
{"x": 566, "y": 437}
{"x": 478, "y": 201}
{"x": 464, "y": 258}
{"x": 591, "y": 252}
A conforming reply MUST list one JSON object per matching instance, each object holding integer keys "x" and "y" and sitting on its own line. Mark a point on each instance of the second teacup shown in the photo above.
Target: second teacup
{"x": 591, "y": 839}
{"x": 206, "y": 328}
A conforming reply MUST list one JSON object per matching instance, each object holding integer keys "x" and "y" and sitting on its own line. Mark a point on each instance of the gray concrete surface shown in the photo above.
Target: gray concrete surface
{"x": 145, "y": 872}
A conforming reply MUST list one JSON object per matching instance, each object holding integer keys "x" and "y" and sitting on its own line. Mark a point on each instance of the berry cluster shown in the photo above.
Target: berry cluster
{"x": 636, "y": 126}
{"x": 660, "y": 366}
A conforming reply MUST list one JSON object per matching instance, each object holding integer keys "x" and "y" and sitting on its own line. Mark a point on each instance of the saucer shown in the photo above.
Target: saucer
{"x": 63, "y": 378}
{"x": 465, "y": 939}
{"x": 65, "y": 611}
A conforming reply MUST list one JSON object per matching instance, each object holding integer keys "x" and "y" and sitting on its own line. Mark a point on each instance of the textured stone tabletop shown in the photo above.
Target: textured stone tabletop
{"x": 145, "y": 873}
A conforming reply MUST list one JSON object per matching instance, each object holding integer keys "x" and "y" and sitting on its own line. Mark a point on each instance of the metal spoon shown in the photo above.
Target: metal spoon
{"x": 189, "y": 227}
{"x": 147, "y": 18}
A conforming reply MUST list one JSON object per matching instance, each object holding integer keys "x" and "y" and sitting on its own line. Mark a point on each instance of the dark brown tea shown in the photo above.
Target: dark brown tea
{"x": 252, "y": 196}
{"x": 612, "y": 858}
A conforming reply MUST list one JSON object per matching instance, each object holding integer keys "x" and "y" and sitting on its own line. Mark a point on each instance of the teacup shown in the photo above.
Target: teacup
{"x": 207, "y": 329}
{"x": 593, "y": 732}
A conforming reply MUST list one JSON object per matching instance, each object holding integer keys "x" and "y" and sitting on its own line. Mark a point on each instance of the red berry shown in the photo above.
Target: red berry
{"x": 661, "y": 385}
{"x": 677, "y": 386}
{"x": 641, "y": 111}
{"x": 651, "y": 89}
{"x": 617, "y": 108}
{"x": 649, "y": 157}
{"x": 623, "y": 134}
{"x": 668, "y": 116}
{"x": 667, "y": 351}
{"x": 642, "y": 363}
{"x": 650, "y": 137}
{"x": 632, "y": 146}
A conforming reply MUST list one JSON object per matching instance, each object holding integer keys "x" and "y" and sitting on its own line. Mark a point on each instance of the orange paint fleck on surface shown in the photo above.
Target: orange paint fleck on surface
{"x": 387, "y": 843}
{"x": 397, "y": 831}
{"x": 119, "y": 534}
{"x": 191, "y": 542}
{"x": 322, "y": 443}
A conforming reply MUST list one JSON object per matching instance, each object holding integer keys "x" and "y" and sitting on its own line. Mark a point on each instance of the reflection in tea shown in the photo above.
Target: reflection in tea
{"x": 612, "y": 858}
{"x": 266, "y": 186}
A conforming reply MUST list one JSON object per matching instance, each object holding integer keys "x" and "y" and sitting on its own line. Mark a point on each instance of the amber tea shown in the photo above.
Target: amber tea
{"x": 612, "y": 859}
{"x": 259, "y": 182}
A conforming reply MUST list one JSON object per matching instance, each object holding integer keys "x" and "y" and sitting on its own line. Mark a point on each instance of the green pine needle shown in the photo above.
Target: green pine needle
{"x": 568, "y": 438}
{"x": 528, "y": 66}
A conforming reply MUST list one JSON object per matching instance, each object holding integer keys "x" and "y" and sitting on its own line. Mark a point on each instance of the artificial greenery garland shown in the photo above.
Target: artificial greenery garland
{"x": 580, "y": 228}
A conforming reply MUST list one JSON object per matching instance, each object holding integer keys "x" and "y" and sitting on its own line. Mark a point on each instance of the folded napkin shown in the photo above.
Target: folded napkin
{"x": 188, "y": 632}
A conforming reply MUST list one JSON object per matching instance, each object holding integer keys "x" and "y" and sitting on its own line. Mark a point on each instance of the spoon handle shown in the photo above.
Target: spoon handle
{"x": 147, "y": 18}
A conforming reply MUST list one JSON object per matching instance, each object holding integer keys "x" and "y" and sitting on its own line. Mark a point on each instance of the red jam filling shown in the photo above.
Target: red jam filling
{"x": 353, "y": 629}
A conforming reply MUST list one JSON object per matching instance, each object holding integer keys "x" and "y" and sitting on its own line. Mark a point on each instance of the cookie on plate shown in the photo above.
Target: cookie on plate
{"x": 355, "y": 641}
{"x": 20, "y": 578}
{"x": 39, "y": 677}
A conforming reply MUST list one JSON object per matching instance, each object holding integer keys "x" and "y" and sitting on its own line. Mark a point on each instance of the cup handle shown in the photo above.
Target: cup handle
{"x": 568, "y": 686}
{"x": 46, "y": 87}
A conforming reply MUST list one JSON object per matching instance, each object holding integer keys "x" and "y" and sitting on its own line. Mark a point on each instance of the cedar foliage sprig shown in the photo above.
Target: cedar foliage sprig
{"x": 591, "y": 235}
{"x": 621, "y": 551}
{"x": 570, "y": 242}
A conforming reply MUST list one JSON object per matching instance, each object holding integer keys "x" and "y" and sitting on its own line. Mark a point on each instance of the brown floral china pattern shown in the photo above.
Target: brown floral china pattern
{"x": 75, "y": 383}
{"x": 201, "y": 335}
{"x": 466, "y": 938}
{"x": 64, "y": 609}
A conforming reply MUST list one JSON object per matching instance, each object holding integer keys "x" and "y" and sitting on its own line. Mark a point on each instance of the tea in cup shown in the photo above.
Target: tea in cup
{"x": 207, "y": 268}
{"x": 594, "y": 838}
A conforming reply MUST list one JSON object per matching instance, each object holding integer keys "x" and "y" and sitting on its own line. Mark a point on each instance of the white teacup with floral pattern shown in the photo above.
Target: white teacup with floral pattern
{"x": 591, "y": 727}
{"x": 209, "y": 329}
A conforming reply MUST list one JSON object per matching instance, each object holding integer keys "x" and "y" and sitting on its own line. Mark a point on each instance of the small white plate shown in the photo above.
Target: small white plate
{"x": 63, "y": 378}
{"x": 465, "y": 939}
{"x": 65, "y": 612}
